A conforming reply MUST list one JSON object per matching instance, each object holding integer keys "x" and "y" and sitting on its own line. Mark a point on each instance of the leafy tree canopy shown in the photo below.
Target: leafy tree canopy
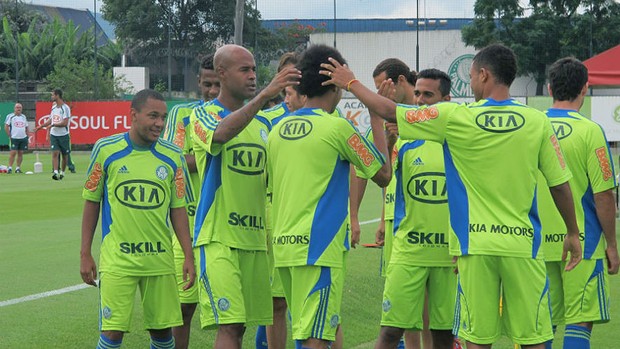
{"x": 555, "y": 28}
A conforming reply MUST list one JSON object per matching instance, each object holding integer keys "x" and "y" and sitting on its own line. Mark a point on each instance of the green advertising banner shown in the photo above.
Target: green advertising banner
{"x": 6, "y": 108}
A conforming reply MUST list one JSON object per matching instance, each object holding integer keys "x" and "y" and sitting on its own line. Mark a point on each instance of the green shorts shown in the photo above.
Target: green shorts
{"x": 523, "y": 285}
{"x": 387, "y": 246}
{"x": 234, "y": 286}
{"x": 580, "y": 295}
{"x": 314, "y": 295}
{"x": 60, "y": 143}
{"x": 160, "y": 302}
{"x": 190, "y": 295}
{"x": 19, "y": 143}
{"x": 277, "y": 291}
{"x": 403, "y": 297}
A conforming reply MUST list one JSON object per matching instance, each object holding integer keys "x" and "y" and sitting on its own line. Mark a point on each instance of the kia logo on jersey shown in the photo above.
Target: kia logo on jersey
{"x": 295, "y": 129}
{"x": 500, "y": 121}
{"x": 428, "y": 187}
{"x": 246, "y": 158}
{"x": 140, "y": 194}
{"x": 562, "y": 129}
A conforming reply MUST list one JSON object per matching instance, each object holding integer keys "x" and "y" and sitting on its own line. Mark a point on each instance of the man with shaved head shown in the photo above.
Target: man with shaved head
{"x": 16, "y": 126}
{"x": 229, "y": 234}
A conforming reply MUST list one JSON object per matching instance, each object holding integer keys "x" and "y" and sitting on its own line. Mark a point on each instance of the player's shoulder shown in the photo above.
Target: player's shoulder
{"x": 165, "y": 146}
{"x": 110, "y": 144}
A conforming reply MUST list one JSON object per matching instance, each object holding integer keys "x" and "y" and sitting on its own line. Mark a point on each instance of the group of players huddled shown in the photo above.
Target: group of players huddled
{"x": 498, "y": 218}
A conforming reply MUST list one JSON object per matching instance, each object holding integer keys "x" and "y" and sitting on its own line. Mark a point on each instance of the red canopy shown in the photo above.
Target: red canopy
{"x": 604, "y": 68}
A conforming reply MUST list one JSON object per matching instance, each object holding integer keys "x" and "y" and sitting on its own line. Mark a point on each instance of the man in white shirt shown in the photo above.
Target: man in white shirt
{"x": 16, "y": 127}
{"x": 59, "y": 133}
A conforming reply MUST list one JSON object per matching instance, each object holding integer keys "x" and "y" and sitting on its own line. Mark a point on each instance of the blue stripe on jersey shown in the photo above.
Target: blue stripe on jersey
{"x": 263, "y": 120}
{"x": 373, "y": 149}
{"x": 165, "y": 159}
{"x": 168, "y": 145}
{"x": 275, "y": 121}
{"x": 490, "y": 102}
{"x": 592, "y": 227}
{"x": 331, "y": 212}
{"x": 210, "y": 185}
{"x": 278, "y": 106}
{"x": 535, "y": 221}
{"x": 102, "y": 143}
{"x": 560, "y": 113}
{"x": 106, "y": 215}
{"x": 206, "y": 119}
{"x": 458, "y": 203}
{"x": 399, "y": 203}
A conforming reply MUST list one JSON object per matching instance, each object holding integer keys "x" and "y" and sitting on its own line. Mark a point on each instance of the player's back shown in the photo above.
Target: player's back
{"x": 308, "y": 164}
{"x": 493, "y": 150}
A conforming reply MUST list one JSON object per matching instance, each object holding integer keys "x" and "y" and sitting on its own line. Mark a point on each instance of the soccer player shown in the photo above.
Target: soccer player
{"x": 229, "y": 236}
{"x": 274, "y": 336}
{"x": 404, "y": 78}
{"x": 137, "y": 181}
{"x": 177, "y": 132}
{"x": 59, "y": 133}
{"x": 16, "y": 127}
{"x": 579, "y": 298}
{"x": 420, "y": 263}
{"x": 309, "y": 153}
{"x": 493, "y": 149}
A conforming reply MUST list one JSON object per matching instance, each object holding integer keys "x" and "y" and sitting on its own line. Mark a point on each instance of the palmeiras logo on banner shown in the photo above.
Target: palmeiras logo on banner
{"x": 459, "y": 74}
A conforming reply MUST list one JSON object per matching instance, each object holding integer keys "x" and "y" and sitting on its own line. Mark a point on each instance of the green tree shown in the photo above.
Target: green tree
{"x": 555, "y": 28}
{"x": 191, "y": 23}
{"x": 76, "y": 81}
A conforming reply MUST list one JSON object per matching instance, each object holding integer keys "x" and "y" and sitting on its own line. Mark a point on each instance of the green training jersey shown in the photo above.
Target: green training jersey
{"x": 177, "y": 132}
{"x": 231, "y": 208}
{"x": 587, "y": 155}
{"x": 136, "y": 188}
{"x": 492, "y": 153}
{"x": 421, "y": 228}
{"x": 309, "y": 154}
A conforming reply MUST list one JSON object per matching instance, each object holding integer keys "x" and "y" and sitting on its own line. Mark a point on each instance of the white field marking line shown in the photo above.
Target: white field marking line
{"x": 78, "y": 287}
{"x": 43, "y": 295}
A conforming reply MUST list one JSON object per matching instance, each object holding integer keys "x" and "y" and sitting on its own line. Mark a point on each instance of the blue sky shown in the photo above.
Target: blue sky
{"x": 291, "y": 9}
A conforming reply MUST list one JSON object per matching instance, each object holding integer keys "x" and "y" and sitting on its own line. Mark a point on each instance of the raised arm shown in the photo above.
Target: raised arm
{"x": 234, "y": 123}
{"x": 341, "y": 76}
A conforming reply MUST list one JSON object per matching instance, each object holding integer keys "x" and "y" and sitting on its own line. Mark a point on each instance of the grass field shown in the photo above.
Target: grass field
{"x": 40, "y": 222}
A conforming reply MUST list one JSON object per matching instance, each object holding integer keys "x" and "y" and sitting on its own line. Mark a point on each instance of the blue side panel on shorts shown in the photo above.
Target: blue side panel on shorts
{"x": 205, "y": 282}
{"x": 599, "y": 273}
{"x": 592, "y": 226}
{"x": 210, "y": 185}
{"x": 458, "y": 203}
{"x": 323, "y": 286}
{"x": 333, "y": 204}
{"x": 535, "y": 220}
{"x": 545, "y": 293}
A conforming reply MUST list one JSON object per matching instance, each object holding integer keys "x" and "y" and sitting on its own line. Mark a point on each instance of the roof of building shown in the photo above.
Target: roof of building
{"x": 82, "y": 18}
{"x": 370, "y": 25}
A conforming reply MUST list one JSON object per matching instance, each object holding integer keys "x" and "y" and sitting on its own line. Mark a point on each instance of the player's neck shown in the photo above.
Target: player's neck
{"x": 230, "y": 102}
{"x": 497, "y": 92}
{"x": 567, "y": 105}
{"x": 319, "y": 102}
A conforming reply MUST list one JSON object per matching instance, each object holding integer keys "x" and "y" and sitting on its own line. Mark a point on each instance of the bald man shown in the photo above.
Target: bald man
{"x": 229, "y": 235}
{"x": 16, "y": 126}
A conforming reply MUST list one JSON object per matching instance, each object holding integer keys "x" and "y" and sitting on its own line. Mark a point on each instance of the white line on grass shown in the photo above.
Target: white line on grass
{"x": 33, "y": 297}
{"x": 43, "y": 295}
